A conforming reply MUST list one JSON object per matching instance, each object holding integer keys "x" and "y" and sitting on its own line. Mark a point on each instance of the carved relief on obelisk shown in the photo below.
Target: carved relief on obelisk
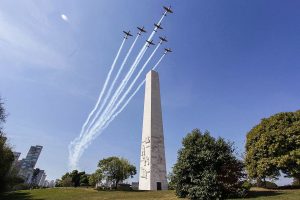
{"x": 153, "y": 175}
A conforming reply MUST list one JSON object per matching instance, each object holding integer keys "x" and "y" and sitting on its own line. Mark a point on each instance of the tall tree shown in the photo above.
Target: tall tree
{"x": 273, "y": 146}
{"x": 2, "y": 114}
{"x": 95, "y": 178}
{"x": 84, "y": 179}
{"x": 6, "y": 154}
{"x": 75, "y": 175}
{"x": 206, "y": 168}
{"x": 116, "y": 169}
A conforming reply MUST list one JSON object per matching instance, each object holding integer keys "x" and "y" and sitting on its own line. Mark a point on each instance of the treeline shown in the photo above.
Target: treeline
{"x": 73, "y": 179}
{"x": 8, "y": 175}
{"x": 111, "y": 171}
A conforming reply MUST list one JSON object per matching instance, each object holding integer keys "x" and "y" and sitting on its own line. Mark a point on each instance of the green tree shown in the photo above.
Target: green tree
{"x": 207, "y": 169}
{"x": 67, "y": 182}
{"x": 58, "y": 183}
{"x": 116, "y": 169}
{"x": 273, "y": 146}
{"x": 95, "y": 178}
{"x": 75, "y": 175}
{"x": 6, "y": 154}
{"x": 74, "y": 179}
{"x": 84, "y": 179}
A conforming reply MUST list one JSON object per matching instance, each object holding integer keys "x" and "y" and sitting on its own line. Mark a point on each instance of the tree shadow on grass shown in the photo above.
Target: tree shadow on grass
{"x": 257, "y": 194}
{"x": 17, "y": 196}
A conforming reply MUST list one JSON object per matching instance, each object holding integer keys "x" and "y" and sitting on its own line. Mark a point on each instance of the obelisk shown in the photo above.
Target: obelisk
{"x": 153, "y": 175}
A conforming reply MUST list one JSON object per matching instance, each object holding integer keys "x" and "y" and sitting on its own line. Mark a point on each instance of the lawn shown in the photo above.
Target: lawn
{"x": 84, "y": 194}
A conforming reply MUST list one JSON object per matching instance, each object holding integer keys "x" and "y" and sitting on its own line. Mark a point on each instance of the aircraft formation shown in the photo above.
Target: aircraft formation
{"x": 157, "y": 26}
{"x": 118, "y": 91}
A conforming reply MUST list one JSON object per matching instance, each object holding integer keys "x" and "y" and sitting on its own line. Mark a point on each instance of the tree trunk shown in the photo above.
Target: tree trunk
{"x": 116, "y": 186}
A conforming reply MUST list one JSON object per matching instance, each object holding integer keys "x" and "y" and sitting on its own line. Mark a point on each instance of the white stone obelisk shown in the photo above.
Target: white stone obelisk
{"x": 153, "y": 175}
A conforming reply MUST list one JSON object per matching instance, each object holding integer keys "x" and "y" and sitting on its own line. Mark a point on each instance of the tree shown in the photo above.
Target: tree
{"x": 116, "y": 169}
{"x": 6, "y": 154}
{"x": 273, "y": 146}
{"x": 3, "y": 115}
{"x": 84, "y": 179}
{"x": 74, "y": 179}
{"x": 206, "y": 168}
{"x": 95, "y": 178}
{"x": 58, "y": 183}
{"x": 67, "y": 182}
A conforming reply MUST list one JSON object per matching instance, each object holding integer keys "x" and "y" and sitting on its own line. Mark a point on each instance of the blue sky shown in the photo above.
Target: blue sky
{"x": 234, "y": 63}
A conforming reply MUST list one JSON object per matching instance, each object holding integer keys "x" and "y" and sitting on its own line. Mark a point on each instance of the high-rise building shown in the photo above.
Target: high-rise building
{"x": 27, "y": 164}
{"x": 42, "y": 181}
{"x": 153, "y": 174}
{"x": 39, "y": 177}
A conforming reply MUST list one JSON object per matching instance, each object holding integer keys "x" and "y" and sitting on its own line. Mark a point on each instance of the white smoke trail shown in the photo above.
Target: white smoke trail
{"x": 79, "y": 144}
{"x": 123, "y": 85}
{"x": 129, "y": 99}
{"x": 77, "y": 147}
{"x": 155, "y": 66}
{"x": 113, "y": 109}
{"x": 133, "y": 67}
{"x": 72, "y": 143}
{"x": 113, "y": 84}
{"x": 87, "y": 139}
{"x": 104, "y": 87}
{"x": 134, "y": 81}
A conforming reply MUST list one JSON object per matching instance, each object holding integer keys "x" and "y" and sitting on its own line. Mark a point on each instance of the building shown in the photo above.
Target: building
{"x": 39, "y": 177}
{"x": 42, "y": 180}
{"x": 46, "y": 183}
{"x": 51, "y": 184}
{"x": 27, "y": 164}
{"x": 153, "y": 175}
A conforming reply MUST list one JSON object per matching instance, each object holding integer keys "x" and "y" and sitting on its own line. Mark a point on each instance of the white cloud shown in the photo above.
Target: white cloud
{"x": 64, "y": 17}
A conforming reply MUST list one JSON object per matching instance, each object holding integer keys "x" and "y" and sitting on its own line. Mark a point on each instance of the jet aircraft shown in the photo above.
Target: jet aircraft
{"x": 127, "y": 34}
{"x": 150, "y": 43}
{"x": 158, "y": 26}
{"x": 163, "y": 39}
{"x": 168, "y": 50}
{"x": 141, "y": 30}
{"x": 168, "y": 10}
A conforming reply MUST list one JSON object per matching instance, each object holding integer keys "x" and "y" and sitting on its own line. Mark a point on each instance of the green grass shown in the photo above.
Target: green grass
{"x": 84, "y": 194}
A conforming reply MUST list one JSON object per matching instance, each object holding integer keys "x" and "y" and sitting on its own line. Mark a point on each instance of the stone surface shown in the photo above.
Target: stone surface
{"x": 153, "y": 175}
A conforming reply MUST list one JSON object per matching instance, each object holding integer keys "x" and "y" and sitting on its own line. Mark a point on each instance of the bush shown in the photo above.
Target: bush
{"x": 124, "y": 187}
{"x": 270, "y": 185}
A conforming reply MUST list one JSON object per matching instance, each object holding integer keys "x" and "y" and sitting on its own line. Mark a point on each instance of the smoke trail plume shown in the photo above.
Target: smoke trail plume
{"x": 72, "y": 163}
{"x": 129, "y": 99}
{"x": 113, "y": 83}
{"x": 134, "y": 81}
{"x": 79, "y": 144}
{"x": 104, "y": 87}
{"x": 139, "y": 57}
